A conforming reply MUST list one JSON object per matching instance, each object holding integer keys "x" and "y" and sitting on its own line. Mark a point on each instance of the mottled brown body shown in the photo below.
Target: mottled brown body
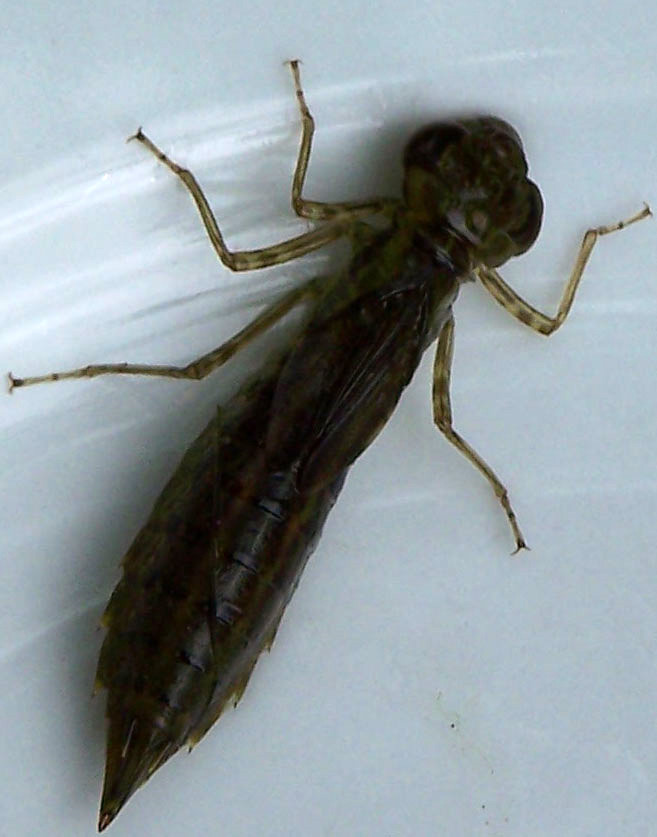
{"x": 203, "y": 588}
{"x": 207, "y": 579}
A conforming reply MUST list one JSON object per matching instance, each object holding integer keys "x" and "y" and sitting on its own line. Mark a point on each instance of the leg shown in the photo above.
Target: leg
{"x": 526, "y": 313}
{"x": 316, "y": 210}
{"x": 293, "y": 248}
{"x": 442, "y": 416}
{"x": 197, "y": 369}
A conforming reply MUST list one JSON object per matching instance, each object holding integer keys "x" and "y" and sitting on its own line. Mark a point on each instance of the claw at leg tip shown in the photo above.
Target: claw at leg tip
{"x": 137, "y": 135}
{"x": 13, "y": 383}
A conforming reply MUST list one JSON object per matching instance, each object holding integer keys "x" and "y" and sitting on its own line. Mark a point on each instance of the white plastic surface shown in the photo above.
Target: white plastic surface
{"x": 423, "y": 682}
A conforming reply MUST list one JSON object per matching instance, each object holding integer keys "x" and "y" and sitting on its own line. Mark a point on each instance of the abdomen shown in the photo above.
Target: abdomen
{"x": 204, "y": 586}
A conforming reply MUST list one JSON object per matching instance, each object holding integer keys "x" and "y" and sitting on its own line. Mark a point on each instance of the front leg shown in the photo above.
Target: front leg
{"x": 442, "y": 416}
{"x": 526, "y": 313}
{"x": 317, "y": 210}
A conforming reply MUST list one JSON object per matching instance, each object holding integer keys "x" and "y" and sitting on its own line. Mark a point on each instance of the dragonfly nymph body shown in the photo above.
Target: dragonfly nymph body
{"x": 207, "y": 579}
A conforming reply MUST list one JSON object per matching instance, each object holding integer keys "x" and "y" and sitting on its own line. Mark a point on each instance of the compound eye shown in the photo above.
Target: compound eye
{"x": 426, "y": 148}
{"x": 506, "y": 148}
{"x": 525, "y": 235}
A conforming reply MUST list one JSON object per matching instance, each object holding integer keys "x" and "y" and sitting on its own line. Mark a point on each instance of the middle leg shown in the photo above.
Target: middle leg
{"x": 238, "y": 260}
{"x": 442, "y": 416}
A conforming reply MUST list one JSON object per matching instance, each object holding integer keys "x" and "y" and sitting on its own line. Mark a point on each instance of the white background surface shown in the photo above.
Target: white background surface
{"x": 422, "y": 682}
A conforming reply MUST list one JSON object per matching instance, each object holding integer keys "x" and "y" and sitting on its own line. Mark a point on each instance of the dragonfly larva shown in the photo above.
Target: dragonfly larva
{"x": 207, "y": 579}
